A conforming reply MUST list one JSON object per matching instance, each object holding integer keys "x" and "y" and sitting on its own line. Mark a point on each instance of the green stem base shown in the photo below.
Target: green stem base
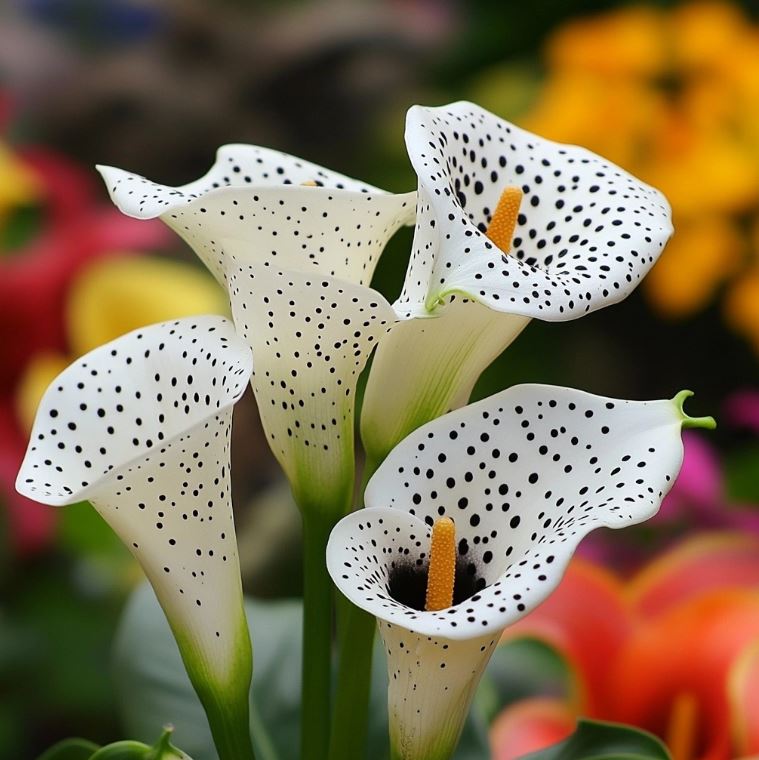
{"x": 230, "y": 729}
{"x": 225, "y": 699}
{"x": 350, "y": 718}
{"x": 354, "y": 674}
{"x": 317, "y": 638}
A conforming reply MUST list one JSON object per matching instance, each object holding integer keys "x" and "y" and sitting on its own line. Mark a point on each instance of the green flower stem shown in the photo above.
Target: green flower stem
{"x": 356, "y": 630}
{"x": 351, "y": 714}
{"x": 229, "y": 722}
{"x": 225, "y": 699}
{"x": 317, "y": 636}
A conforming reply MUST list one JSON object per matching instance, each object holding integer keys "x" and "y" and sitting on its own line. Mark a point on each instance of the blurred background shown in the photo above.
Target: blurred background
{"x": 670, "y": 91}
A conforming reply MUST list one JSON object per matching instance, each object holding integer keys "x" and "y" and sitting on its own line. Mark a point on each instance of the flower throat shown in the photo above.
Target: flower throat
{"x": 445, "y": 581}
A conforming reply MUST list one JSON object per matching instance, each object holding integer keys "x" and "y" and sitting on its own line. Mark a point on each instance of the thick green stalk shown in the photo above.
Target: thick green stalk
{"x": 356, "y": 641}
{"x": 225, "y": 698}
{"x": 351, "y": 713}
{"x": 230, "y": 729}
{"x": 317, "y": 636}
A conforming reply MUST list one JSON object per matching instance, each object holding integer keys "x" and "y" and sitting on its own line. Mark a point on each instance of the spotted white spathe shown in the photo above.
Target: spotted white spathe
{"x": 586, "y": 234}
{"x": 140, "y": 427}
{"x": 296, "y": 260}
{"x": 292, "y": 213}
{"x": 439, "y": 361}
{"x": 525, "y": 475}
{"x": 311, "y": 337}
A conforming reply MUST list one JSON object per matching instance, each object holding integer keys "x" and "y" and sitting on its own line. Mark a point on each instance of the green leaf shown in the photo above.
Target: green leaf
{"x": 132, "y": 750}
{"x": 70, "y": 749}
{"x": 596, "y": 740}
{"x": 153, "y": 689}
{"x": 81, "y": 749}
{"x": 524, "y": 668}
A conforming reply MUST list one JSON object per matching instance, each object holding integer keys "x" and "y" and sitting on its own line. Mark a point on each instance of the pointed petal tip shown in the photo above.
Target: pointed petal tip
{"x": 112, "y": 178}
{"x": 706, "y": 423}
{"x": 108, "y": 172}
{"x": 24, "y": 487}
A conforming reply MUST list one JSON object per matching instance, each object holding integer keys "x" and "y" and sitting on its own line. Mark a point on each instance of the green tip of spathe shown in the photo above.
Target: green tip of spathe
{"x": 707, "y": 423}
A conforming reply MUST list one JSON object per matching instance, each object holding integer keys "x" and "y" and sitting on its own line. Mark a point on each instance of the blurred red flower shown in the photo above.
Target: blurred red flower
{"x": 673, "y": 650}
{"x": 71, "y": 228}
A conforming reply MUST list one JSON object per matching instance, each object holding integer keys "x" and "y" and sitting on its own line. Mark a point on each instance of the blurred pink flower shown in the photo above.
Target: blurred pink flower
{"x": 697, "y": 501}
{"x": 699, "y": 496}
{"x": 742, "y": 409}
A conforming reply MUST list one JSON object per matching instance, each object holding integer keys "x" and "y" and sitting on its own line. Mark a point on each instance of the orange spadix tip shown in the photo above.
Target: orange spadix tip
{"x": 442, "y": 567}
{"x": 309, "y": 183}
{"x": 504, "y": 221}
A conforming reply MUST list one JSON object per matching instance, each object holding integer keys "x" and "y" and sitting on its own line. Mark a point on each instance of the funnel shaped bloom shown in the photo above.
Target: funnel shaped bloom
{"x": 292, "y": 213}
{"x": 296, "y": 246}
{"x": 311, "y": 336}
{"x": 524, "y": 474}
{"x": 510, "y": 226}
{"x": 140, "y": 427}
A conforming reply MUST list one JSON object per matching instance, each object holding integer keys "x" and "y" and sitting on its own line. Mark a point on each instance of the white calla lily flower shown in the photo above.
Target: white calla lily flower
{"x": 510, "y": 227}
{"x": 296, "y": 246}
{"x": 523, "y": 476}
{"x": 140, "y": 427}
{"x": 293, "y": 214}
{"x": 311, "y": 336}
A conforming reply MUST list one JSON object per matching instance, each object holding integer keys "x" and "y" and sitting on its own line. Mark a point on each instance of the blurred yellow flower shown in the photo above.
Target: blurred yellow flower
{"x": 673, "y": 96}
{"x": 113, "y": 296}
{"x": 18, "y": 185}
{"x": 116, "y": 295}
{"x": 625, "y": 43}
{"x": 37, "y": 375}
{"x": 700, "y": 257}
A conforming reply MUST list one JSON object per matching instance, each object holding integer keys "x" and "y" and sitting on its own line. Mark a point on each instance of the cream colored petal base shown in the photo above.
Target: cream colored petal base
{"x": 431, "y": 685}
{"x": 426, "y": 367}
{"x": 311, "y": 337}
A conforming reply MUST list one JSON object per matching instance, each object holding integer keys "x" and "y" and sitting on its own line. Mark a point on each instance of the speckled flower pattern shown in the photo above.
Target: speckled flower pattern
{"x": 525, "y": 475}
{"x": 291, "y": 213}
{"x": 586, "y": 234}
{"x": 295, "y": 246}
{"x": 311, "y": 337}
{"x": 140, "y": 427}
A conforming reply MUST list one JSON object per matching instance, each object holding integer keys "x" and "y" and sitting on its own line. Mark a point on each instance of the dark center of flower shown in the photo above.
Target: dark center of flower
{"x": 447, "y": 579}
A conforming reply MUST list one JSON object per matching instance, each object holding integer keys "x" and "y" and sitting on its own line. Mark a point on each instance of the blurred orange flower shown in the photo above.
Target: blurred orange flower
{"x": 674, "y": 650}
{"x": 673, "y": 96}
